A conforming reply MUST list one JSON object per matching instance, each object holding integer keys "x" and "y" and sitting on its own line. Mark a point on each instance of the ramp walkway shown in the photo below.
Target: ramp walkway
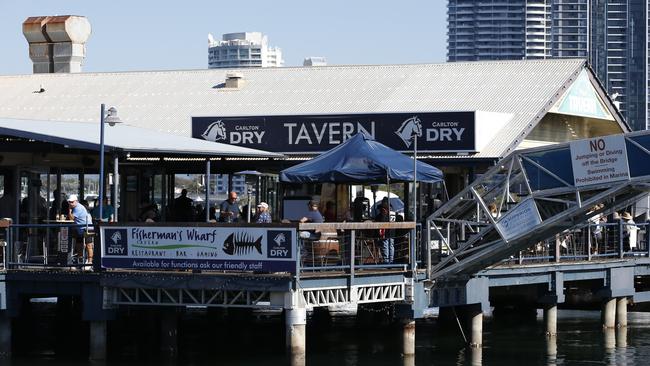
{"x": 533, "y": 195}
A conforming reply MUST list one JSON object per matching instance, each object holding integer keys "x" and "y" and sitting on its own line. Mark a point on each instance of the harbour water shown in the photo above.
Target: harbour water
{"x": 346, "y": 342}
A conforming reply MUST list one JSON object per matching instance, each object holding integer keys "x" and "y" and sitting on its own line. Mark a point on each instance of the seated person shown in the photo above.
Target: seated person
{"x": 263, "y": 216}
{"x": 82, "y": 220}
{"x": 313, "y": 215}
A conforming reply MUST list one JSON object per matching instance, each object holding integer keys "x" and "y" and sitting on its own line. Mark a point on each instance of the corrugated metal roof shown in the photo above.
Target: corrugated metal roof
{"x": 166, "y": 100}
{"x": 85, "y": 135}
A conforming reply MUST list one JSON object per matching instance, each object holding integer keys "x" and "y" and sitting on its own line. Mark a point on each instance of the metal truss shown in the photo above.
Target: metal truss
{"x": 364, "y": 294}
{"x": 185, "y": 297}
{"x": 538, "y": 180}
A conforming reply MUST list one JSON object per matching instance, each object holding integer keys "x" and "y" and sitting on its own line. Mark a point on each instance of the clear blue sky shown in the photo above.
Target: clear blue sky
{"x": 163, "y": 35}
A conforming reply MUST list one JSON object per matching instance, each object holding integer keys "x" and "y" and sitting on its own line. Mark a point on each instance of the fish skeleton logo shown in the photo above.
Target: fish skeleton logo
{"x": 216, "y": 131}
{"x": 409, "y": 128}
{"x": 241, "y": 244}
{"x": 279, "y": 244}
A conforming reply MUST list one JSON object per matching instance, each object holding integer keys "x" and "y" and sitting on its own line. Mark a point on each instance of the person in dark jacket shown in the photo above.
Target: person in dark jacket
{"x": 386, "y": 236}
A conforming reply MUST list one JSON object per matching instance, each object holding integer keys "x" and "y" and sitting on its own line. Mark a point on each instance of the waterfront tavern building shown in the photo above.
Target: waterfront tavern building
{"x": 471, "y": 114}
{"x": 611, "y": 34}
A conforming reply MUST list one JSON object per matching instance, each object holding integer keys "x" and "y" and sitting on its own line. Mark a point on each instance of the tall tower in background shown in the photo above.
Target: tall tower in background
{"x": 243, "y": 50}
{"x": 612, "y": 34}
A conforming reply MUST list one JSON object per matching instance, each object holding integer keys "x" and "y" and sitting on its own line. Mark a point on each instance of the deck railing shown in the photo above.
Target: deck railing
{"x": 603, "y": 241}
{"x": 589, "y": 242}
{"x": 46, "y": 245}
{"x": 329, "y": 247}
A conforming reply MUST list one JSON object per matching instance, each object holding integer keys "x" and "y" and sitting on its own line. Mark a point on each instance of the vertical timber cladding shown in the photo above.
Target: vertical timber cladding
{"x": 437, "y": 131}
{"x": 219, "y": 248}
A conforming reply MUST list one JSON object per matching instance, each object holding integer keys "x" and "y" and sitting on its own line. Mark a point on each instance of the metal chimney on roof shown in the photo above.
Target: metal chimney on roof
{"x": 57, "y": 43}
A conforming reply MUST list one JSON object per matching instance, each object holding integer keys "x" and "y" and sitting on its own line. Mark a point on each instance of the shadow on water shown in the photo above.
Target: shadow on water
{"x": 238, "y": 337}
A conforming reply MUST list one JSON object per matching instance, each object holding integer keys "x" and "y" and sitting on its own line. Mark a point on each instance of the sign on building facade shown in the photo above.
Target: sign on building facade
{"x": 437, "y": 132}
{"x": 210, "y": 248}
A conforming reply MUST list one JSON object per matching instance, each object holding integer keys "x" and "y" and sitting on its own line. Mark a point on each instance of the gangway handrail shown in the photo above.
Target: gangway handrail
{"x": 535, "y": 184}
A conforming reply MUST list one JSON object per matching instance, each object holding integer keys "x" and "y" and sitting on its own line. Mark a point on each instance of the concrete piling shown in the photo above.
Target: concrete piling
{"x": 169, "y": 334}
{"x": 550, "y": 320}
{"x": 609, "y": 341}
{"x": 609, "y": 313}
{"x": 621, "y": 337}
{"x": 476, "y": 356}
{"x": 408, "y": 337}
{"x": 5, "y": 335}
{"x": 621, "y": 312}
{"x": 476, "y": 324}
{"x": 296, "y": 324}
{"x": 98, "y": 340}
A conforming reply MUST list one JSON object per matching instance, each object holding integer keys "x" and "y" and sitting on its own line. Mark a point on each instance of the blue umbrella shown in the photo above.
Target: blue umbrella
{"x": 360, "y": 159}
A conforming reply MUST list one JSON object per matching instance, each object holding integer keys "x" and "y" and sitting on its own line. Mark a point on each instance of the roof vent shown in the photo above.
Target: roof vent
{"x": 234, "y": 80}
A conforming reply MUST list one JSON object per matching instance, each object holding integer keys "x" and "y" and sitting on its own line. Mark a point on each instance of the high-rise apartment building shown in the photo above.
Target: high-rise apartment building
{"x": 243, "y": 50}
{"x": 611, "y": 34}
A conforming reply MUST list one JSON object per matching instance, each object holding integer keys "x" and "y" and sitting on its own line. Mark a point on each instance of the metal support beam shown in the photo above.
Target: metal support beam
{"x": 116, "y": 186}
{"x": 207, "y": 190}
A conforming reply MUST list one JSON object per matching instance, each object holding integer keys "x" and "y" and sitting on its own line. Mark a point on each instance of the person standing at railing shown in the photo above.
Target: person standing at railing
{"x": 629, "y": 232}
{"x": 596, "y": 222}
{"x": 229, "y": 209}
{"x": 78, "y": 213}
{"x": 386, "y": 235}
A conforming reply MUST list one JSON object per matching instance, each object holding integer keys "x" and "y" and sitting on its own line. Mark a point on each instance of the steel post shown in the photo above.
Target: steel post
{"x": 116, "y": 186}
{"x": 101, "y": 164}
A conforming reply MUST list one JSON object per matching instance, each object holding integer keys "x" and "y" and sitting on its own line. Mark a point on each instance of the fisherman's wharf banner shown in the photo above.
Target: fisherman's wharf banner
{"x": 209, "y": 248}
{"x": 436, "y": 131}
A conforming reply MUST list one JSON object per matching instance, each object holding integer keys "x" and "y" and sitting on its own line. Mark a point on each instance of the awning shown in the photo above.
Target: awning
{"x": 121, "y": 137}
{"x": 360, "y": 159}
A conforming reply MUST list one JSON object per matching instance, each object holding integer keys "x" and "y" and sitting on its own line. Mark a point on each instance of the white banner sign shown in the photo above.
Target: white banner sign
{"x": 599, "y": 160}
{"x": 220, "y": 248}
{"x": 519, "y": 220}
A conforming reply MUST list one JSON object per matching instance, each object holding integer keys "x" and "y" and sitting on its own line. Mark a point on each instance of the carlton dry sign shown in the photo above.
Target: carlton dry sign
{"x": 437, "y": 132}
{"x": 599, "y": 160}
{"x": 210, "y": 248}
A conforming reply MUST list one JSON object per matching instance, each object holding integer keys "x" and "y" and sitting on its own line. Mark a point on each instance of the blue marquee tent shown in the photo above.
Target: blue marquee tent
{"x": 360, "y": 159}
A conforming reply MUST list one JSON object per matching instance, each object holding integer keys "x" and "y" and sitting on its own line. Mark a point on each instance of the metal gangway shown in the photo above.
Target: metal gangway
{"x": 533, "y": 195}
